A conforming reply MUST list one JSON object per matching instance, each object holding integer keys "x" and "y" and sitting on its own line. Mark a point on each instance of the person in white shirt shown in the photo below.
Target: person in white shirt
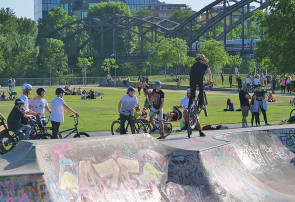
{"x": 248, "y": 82}
{"x": 184, "y": 104}
{"x": 57, "y": 111}
{"x": 126, "y": 108}
{"x": 27, "y": 90}
{"x": 255, "y": 82}
{"x": 39, "y": 105}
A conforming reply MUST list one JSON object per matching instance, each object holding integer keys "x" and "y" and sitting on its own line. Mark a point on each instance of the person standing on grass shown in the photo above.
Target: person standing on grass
{"x": 39, "y": 104}
{"x": 288, "y": 84}
{"x": 139, "y": 86}
{"x": 222, "y": 77}
{"x": 230, "y": 79}
{"x": 245, "y": 106}
{"x": 260, "y": 102}
{"x": 254, "y": 111}
{"x": 126, "y": 108}
{"x": 57, "y": 111}
{"x": 157, "y": 105}
{"x": 248, "y": 82}
{"x": 273, "y": 84}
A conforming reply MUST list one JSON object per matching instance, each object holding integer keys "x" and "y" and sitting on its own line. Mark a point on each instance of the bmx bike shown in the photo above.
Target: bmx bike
{"x": 74, "y": 132}
{"x": 138, "y": 124}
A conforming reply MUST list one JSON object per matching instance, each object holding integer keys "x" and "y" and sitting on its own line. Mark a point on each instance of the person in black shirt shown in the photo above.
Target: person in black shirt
{"x": 15, "y": 118}
{"x": 230, "y": 79}
{"x": 157, "y": 104}
{"x": 197, "y": 73}
{"x": 260, "y": 102}
{"x": 244, "y": 102}
{"x": 239, "y": 81}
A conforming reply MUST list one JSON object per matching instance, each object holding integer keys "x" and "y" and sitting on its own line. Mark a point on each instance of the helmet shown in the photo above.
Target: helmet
{"x": 39, "y": 91}
{"x": 19, "y": 101}
{"x": 59, "y": 91}
{"x": 200, "y": 57}
{"x": 188, "y": 90}
{"x": 158, "y": 83}
{"x": 130, "y": 89}
{"x": 27, "y": 86}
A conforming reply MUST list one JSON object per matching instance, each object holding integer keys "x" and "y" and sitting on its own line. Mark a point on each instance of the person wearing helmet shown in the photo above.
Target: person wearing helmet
{"x": 16, "y": 116}
{"x": 197, "y": 74}
{"x": 39, "y": 105}
{"x": 126, "y": 108}
{"x": 57, "y": 111}
{"x": 27, "y": 90}
{"x": 157, "y": 104}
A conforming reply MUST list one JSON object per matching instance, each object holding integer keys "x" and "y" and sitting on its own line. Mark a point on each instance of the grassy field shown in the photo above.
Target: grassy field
{"x": 97, "y": 115}
{"x": 171, "y": 80}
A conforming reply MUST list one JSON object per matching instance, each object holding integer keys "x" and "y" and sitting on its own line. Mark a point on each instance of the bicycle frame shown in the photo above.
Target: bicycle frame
{"x": 73, "y": 130}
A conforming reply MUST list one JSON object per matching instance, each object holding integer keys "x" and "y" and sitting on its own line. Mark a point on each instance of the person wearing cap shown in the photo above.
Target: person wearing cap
{"x": 39, "y": 104}
{"x": 27, "y": 90}
{"x": 15, "y": 118}
{"x": 57, "y": 111}
{"x": 157, "y": 104}
{"x": 126, "y": 108}
{"x": 184, "y": 104}
{"x": 197, "y": 74}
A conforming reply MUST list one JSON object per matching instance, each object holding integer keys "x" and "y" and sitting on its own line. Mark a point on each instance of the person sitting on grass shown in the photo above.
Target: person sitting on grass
{"x": 229, "y": 105}
{"x": 74, "y": 92}
{"x": 137, "y": 113}
{"x": 16, "y": 117}
{"x": 57, "y": 111}
{"x": 175, "y": 115}
{"x": 84, "y": 95}
{"x": 79, "y": 91}
{"x": 144, "y": 114}
{"x": 271, "y": 98}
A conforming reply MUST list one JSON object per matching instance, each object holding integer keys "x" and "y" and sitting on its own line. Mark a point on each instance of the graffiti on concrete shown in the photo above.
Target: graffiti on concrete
{"x": 23, "y": 189}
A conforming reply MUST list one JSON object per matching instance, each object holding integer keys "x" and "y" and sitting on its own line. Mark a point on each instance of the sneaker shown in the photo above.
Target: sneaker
{"x": 267, "y": 124}
{"x": 243, "y": 125}
{"x": 202, "y": 134}
{"x": 161, "y": 137}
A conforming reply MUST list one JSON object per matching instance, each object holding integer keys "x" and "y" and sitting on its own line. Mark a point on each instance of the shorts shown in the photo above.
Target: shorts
{"x": 156, "y": 113}
{"x": 245, "y": 110}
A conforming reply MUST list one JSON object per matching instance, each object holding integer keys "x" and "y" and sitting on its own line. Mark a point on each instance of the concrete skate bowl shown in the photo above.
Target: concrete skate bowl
{"x": 251, "y": 166}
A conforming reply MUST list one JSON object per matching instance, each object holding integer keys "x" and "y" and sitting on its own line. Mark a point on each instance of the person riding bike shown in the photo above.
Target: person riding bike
{"x": 39, "y": 105}
{"x": 126, "y": 108}
{"x": 27, "y": 90}
{"x": 57, "y": 111}
{"x": 197, "y": 73}
{"x": 16, "y": 117}
{"x": 157, "y": 104}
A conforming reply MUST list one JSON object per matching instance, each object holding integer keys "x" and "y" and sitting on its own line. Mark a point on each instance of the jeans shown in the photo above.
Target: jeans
{"x": 123, "y": 119}
{"x": 27, "y": 130}
{"x": 55, "y": 129}
{"x": 193, "y": 85}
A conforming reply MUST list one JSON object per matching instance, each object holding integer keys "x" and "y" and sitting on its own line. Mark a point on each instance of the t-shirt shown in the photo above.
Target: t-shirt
{"x": 248, "y": 80}
{"x": 39, "y": 106}
{"x": 26, "y": 100}
{"x": 184, "y": 102}
{"x": 128, "y": 104}
{"x": 256, "y": 81}
{"x": 243, "y": 100}
{"x": 198, "y": 71}
{"x": 157, "y": 95}
{"x": 15, "y": 118}
{"x": 57, "y": 110}
{"x": 260, "y": 94}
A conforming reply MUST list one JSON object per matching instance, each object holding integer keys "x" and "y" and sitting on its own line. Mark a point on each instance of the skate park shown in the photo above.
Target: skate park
{"x": 229, "y": 165}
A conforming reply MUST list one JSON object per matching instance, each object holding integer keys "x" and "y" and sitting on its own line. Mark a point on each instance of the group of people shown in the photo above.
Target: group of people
{"x": 26, "y": 108}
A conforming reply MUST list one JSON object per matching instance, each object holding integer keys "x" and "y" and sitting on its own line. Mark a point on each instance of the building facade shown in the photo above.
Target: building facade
{"x": 165, "y": 10}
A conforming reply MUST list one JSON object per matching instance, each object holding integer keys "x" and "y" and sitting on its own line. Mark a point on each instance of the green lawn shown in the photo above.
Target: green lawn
{"x": 97, "y": 115}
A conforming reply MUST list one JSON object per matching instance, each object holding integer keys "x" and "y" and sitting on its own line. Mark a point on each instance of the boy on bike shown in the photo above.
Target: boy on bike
{"x": 39, "y": 105}
{"x": 157, "y": 104}
{"x": 126, "y": 108}
{"x": 184, "y": 104}
{"x": 197, "y": 74}
{"x": 57, "y": 111}
{"x": 16, "y": 116}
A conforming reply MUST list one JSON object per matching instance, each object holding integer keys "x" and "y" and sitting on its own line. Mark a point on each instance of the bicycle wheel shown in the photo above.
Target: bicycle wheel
{"x": 193, "y": 116}
{"x": 81, "y": 134}
{"x": 292, "y": 113}
{"x": 140, "y": 127}
{"x": 115, "y": 128}
{"x": 7, "y": 143}
{"x": 168, "y": 128}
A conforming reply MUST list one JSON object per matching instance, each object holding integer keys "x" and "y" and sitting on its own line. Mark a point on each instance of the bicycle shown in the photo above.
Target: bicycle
{"x": 139, "y": 126}
{"x": 194, "y": 111}
{"x": 72, "y": 131}
{"x": 167, "y": 127}
{"x": 40, "y": 131}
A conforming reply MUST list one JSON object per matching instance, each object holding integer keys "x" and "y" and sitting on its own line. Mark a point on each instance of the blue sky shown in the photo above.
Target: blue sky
{"x": 25, "y": 8}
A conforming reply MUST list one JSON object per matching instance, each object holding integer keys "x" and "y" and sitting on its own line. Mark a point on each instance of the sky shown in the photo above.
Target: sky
{"x": 25, "y": 8}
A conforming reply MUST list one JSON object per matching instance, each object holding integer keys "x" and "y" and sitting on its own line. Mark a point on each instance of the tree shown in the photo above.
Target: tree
{"x": 279, "y": 42}
{"x": 234, "y": 61}
{"x": 143, "y": 12}
{"x": 216, "y": 54}
{"x": 84, "y": 62}
{"x": 181, "y": 15}
{"x": 108, "y": 64}
{"x": 54, "y": 59}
